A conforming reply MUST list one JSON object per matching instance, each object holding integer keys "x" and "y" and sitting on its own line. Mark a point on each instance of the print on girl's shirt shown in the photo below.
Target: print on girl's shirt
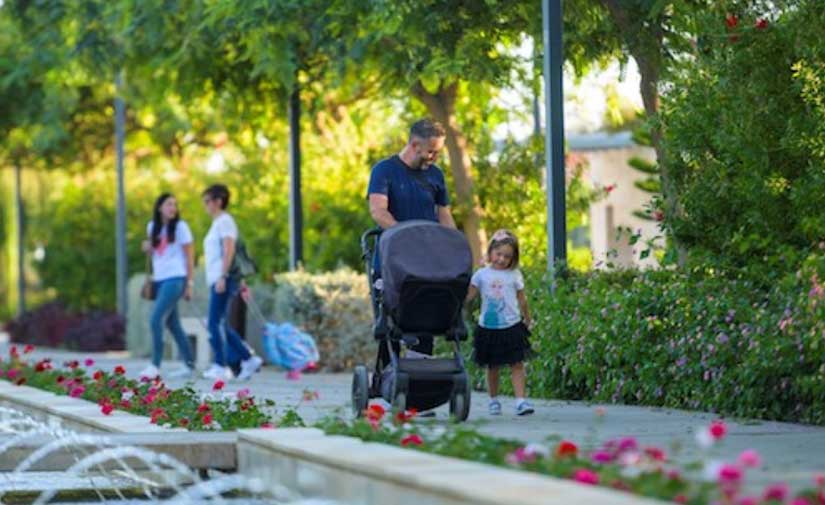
{"x": 495, "y": 306}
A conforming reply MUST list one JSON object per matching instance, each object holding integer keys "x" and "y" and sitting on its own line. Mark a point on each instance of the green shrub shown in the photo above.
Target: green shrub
{"x": 702, "y": 340}
{"x": 334, "y": 307}
{"x": 755, "y": 180}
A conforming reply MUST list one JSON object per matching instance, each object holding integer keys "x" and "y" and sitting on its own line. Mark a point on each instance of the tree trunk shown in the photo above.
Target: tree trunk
{"x": 441, "y": 105}
{"x": 647, "y": 47}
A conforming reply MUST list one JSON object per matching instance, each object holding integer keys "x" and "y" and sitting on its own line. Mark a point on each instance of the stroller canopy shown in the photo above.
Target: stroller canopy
{"x": 422, "y": 250}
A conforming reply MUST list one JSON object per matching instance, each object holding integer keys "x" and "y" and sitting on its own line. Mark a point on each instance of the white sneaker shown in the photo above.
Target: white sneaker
{"x": 249, "y": 367}
{"x": 150, "y": 372}
{"x": 181, "y": 372}
{"x": 217, "y": 372}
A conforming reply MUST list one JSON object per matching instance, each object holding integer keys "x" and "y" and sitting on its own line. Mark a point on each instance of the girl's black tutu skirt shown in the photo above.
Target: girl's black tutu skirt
{"x": 506, "y": 346}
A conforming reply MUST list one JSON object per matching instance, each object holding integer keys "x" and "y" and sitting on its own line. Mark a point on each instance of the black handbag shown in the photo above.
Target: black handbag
{"x": 242, "y": 264}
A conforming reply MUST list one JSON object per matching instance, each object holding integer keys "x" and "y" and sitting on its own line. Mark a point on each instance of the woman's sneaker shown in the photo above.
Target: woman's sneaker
{"x": 524, "y": 408}
{"x": 494, "y": 408}
{"x": 216, "y": 371}
{"x": 150, "y": 372}
{"x": 249, "y": 367}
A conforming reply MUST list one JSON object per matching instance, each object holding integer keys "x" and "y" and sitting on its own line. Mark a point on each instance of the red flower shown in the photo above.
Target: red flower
{"x": 207, "y": 419}
{"x": 13, "y": 351}
{"x": 566, "y": 448}
{"x": 761, "y": 24}
{"x": 609, "y": 188}
{"x": 107, "y": 409}
{"x": 29, "y": 348}
{"x": 680, "y": 499}
{"x": 156, "y": 415}
{"x": 586, "y": 476}
{"x": 44, "y": 364}
{"x": 375, "y": 412}
{"x": 718, "y": 429}
{"x": 119, "y": 370}
{"x": 268, "y": 426}
{"x": 658, "y": 215}
{"x": 60, "y": 379}
{"x": 244, "y": 406}
{"x": 731, "y": 20}
{"x": 406, "y": 416}
{"x": 149, "y": 399}
{"x": 75, "y": 392}
{"x": 203, "y": 407}
{"x": 655, "y": 453}
{"x": 97, "y": 375}
{"x": 72, "y": 364}
{"x": 218, "y": 385}
{"x": 126, "y": 404}
{"x": 412, "y": 439}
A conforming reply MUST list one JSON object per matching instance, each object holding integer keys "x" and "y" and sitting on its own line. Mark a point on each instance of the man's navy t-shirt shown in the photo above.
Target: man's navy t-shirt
{"x": 412, "y": 194}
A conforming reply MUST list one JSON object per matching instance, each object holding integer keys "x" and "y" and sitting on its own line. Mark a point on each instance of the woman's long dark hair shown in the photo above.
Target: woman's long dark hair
{"x": 157, "y": 222}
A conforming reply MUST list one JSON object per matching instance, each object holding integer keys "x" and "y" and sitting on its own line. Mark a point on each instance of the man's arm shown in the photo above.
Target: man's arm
{"x": 379, "y": 210}
{"x": 445, "y": 217}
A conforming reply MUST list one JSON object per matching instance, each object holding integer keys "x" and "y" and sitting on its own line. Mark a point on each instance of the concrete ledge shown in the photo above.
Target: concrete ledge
{"x": 350, "y": 470}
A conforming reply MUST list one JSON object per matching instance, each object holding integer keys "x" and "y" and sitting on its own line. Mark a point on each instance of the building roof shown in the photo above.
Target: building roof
{"x": 601, "y": 140}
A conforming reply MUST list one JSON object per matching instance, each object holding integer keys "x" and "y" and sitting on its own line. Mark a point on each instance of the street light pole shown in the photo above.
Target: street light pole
{"x": 120, "y": 220}
{"x": 554, "y": 135}
{"x": 295, "y": 215}
{"x": 21, "y": 250}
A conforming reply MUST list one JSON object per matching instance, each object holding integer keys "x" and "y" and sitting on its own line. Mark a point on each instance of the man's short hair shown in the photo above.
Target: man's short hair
{"x": 217, "y": 192}
{"x": 427, "y": 129}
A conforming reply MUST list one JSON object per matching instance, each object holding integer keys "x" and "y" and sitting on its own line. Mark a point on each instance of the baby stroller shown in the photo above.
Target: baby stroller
{"x": 419, "y": 294}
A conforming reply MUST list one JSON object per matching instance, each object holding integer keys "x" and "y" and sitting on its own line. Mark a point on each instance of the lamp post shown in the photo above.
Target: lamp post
{"x": 120, "y": 220}
{"x": 554, "y": 135}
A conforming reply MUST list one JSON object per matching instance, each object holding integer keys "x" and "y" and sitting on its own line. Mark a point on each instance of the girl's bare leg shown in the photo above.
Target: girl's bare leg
{"x": 519, "y": 379}
{"x": 492, "y": 381}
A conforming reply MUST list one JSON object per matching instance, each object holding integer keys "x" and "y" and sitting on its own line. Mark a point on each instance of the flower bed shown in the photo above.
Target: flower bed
{"x": 621, "y": 464}
{"x": 182, "y": 407}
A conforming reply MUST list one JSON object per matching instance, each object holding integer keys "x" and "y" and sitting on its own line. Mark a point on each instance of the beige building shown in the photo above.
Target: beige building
{"x": 607, "y": 156}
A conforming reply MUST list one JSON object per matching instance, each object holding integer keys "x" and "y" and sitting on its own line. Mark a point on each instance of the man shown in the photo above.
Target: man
{"x": 410, "y": 186}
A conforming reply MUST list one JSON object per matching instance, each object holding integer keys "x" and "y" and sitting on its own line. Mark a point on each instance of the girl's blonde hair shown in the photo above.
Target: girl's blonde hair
{"x": 500, "y": 238}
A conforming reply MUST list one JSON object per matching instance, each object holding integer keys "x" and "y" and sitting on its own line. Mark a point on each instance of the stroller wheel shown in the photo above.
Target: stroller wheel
{"x": 360, "y": 390}
{"x": 460, "y": 402}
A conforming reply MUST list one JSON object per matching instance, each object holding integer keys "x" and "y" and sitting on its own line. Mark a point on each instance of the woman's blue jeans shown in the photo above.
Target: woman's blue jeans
{"x": 169, "y": 291}
{"x": 219, "y": 327}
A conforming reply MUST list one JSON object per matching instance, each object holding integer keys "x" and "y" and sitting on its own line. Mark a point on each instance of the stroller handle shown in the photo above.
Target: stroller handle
{"x": 365, "y": 239}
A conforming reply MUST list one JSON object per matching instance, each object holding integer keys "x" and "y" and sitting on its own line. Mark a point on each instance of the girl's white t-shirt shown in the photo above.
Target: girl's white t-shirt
{"x": 222, "y": 227}
{"x": 499, "y": 303}
{"x": 169, "y": 259}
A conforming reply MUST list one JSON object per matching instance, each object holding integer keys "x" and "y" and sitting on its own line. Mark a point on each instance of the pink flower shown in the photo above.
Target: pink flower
{"x": 107, "y": 409}
{"x": 77, "y": 391}
{"x": 749, "y": 458}
{"x": 680, "y": 499}
{"x": 88, "y": 362}
{"x": 819, "y": 480}
{"x": 12, "y": 373}
{"x": 800, "y": 501}
{"x": 218, "y": 385}
{"x": 268, "y": 426}
{"x": 748, "y": 500}
{"x": 776, "y": 492}
{"x": 628, "y": 444}
{"x": 29, "y": 348}
{"x": 730, "y": 474}
{"x": 718, "y": 429}
{"x": 761, "y": 24}
{"x": 655, "y": 453}
{"x": 243, "y": 394}
{"x": 601, "y": 457}
{"x": 585, "y": 476}
{"x": 412, "y": 439}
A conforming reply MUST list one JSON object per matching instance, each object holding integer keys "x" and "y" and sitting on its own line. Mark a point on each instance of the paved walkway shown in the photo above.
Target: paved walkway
{"x": 791, "y": 452}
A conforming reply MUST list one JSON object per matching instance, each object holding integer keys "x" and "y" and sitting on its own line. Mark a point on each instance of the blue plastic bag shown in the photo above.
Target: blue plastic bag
{"x": 286, "y": 346}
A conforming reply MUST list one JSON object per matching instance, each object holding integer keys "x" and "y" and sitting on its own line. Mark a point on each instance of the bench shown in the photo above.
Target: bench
{"x": 196, "y": 328}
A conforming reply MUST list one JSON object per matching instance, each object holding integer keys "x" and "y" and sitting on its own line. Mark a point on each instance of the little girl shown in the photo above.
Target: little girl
{"x": 501, "y": 335}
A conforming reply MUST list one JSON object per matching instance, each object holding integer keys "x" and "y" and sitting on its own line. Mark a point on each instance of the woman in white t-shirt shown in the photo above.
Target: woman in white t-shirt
{"x": 170, "y": 244}
{"x": 219, "y": 250}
